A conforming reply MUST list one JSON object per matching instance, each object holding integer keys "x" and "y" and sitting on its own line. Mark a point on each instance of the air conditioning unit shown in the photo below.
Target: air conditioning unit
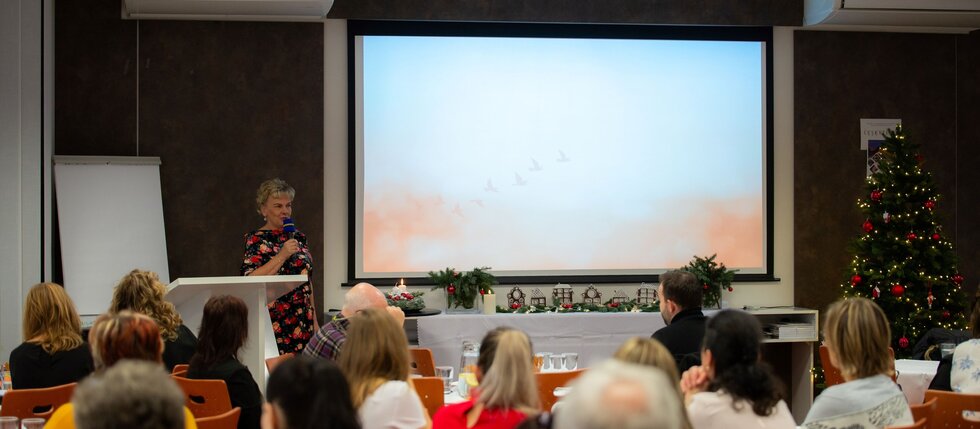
{"x": 227, "y": 10}
{"x": 953, "y": 15}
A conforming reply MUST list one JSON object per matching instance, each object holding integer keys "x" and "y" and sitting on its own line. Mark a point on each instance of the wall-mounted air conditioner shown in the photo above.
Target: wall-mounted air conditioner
{"x": 227, "y": 10}
{"x": 953, "y": 15}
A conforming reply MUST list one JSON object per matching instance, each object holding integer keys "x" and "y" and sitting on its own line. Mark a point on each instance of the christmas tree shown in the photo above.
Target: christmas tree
{"x": 903, "y": 261}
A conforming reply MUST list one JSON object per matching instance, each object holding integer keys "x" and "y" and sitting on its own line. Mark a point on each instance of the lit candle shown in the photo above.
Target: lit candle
{"x": 489, "y": 303}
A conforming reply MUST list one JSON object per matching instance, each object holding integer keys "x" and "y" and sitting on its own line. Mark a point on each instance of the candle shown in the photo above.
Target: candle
{"x": 489, "y": 303}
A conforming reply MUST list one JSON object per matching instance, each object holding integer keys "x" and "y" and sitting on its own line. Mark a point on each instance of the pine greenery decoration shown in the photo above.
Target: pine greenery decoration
{"x": 712, "y": 276}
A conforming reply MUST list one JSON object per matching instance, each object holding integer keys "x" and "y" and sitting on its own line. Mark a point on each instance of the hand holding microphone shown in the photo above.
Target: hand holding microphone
{"x": 291, "y": 246}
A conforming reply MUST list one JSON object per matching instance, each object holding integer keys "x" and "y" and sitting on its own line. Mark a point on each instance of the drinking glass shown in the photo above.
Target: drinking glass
{"x": 9, "y": 422}
{"x": 947, "y": 349}
{"x": 538, "y": 362}
{"x": 33, "y": 423}
{"x": 571, "y": 361}
{"x": 545, "y": 360}
{"x": 446, "y": 374}
{"x": 557, "y": 361}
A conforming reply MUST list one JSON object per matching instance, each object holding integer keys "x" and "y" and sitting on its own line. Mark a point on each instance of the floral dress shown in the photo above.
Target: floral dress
{"x": 293, "y": 316}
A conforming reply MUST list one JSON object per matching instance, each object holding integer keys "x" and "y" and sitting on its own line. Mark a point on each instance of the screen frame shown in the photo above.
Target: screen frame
{"x": 357, "y": 28}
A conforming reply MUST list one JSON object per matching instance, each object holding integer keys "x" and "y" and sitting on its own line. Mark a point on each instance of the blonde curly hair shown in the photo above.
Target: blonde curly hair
{"x": 142, "y": 292}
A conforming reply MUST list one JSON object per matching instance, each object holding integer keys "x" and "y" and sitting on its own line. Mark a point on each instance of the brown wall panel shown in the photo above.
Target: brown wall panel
{"x": 967, "y": 229}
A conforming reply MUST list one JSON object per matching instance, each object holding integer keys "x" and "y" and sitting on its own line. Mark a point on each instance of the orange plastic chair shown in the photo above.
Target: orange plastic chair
{"x": 924, "y": 410}
{"x": 430, "y": 392}
{"x": 273, "y": 362}
{"x": 227, "y": 420}
{"x": 29, "y": 403}
{"x": 205, "y": 398}
{"x": 950, "y": 407}
{"x": 548, "y": 381}
{"x": 919, "y": 424}
{"x": 422, "y": 362}
{"x": 180, "y": 370}
{"x": 831, "y": 375}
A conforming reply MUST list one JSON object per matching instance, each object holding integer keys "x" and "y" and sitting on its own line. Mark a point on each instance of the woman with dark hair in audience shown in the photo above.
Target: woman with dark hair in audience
{"x": 307, "y": 393}
{"x": 732, "y": 387}
{"x": 224, "y": 329}
{"x": 116, "y": 337}
{"x": 142, "y": 292}
{"x": 508, "y": 392}
{"x": 967, "y": 359}
{"x": 856, "y": 333}
{"x": 376, "y": 362}
{"x": 53, "y": 352}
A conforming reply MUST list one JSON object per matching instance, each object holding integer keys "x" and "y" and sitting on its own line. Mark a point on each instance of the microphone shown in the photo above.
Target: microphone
{"x": 288, "y": 227}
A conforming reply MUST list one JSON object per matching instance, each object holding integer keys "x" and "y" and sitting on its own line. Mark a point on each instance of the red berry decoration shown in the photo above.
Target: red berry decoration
{"x": 614, "y": 304}
{"x": 930, "y": 204}
{"x": 705, "y": 286}
{"x": 515, "y": 306}
{"x": 936, "y": 236}
{"x": 868, "y": 226}
{"x": 911, "y": 236}
{"x": 957, "y": 278}
{"x": 855, "y": 279}
{"x": 566, "y": 306}
{"x": 730, "y": 289}
{"x": 903, "y": 342}
{"x": 876, "y": 196}
{"x": 451, "y": 289}
{"x": 898, "y": 290}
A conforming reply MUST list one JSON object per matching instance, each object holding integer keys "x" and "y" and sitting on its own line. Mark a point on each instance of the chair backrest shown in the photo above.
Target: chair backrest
{"x": 919, "y": 424}
{"x": 227, "y": 420}
{"x": 430, "y": 392}
{"x": 28, "y": 403}
{"x": 950, "y": 407}
{"x": 548, "y": 381}
{"x": 831, "y": 375}
{"x": 273, "y": 362}
{"x": 422, "y": 362}
{"x": 924, "y": 410}
{"x": 205, "y": 398}
{"x": 180, "y": 369}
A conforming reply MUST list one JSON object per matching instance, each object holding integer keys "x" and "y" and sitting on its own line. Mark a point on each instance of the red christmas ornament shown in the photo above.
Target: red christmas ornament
{"x": 957, "y": 278}
{"x": 911, "y": 236}
{"x": 515, "y": 306}
{"x": 875, "y": 292}
{"x": 898, "y": 290}
{"x": 451, "y": 289}
{"x": 868, "y": 226}
{"x": 919, "y": 158}
{"x": 936, "y": 236}
{"x": 903, "y": 342}
{"x": 855, "y": 279}
{"x": 482, "y": 291}
{"x": 705, "y": 286}
{"x": 566, "y": 306}
{"x": 876, "y": 195}
{"x": 946, "y": 314}
{"x": 730, "y": 289}
{"x": 930, "y": 204}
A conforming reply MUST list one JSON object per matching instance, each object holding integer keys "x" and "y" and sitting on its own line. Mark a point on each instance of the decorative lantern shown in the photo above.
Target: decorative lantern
{"x": 619, "y": 297}
{"x": 537, "y": 298}
{"x": 562, "y": 294}
{"x": 592, "y": 296}
{"x": 515, "y": 296}
{"x": 647, "y": 295}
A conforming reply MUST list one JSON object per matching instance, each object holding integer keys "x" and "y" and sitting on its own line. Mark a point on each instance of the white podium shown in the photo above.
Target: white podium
{"x": 190, "y": 294}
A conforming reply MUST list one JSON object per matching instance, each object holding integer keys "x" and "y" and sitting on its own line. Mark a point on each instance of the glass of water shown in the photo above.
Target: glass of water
{"x": 947, "y": 349}
{"x": 446, "y": 374}
{"x": 33, "y": 423}
{"x": 8, "y": 422}
{"x": 557, "y": 362}
{"x": 571, "y": 361}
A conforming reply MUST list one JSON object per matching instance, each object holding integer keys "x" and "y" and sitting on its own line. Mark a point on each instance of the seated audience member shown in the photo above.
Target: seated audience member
{"x": 224, "y": 329}
{"x": 53, "y": 352}
{"x": 308, "y": 393}
{"x": 680, "y": 306}
{"x": 508, "y": 391}
{"x": 958, "y": 372}
{"x": 732, "y": 387}
{"x": 376, "y": 362}
{"x": 327, "y": 340}
{"x": 619, "y": 395}
{"x": 856, "y": 333}
{"x": 649, "y": 352}
{"x": 116, "y": 337}
{"x": 142, "y": 292}
{"x": 132, "y": 394}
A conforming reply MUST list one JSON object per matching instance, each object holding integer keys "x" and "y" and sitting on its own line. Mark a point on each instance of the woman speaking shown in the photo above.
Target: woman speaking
{"x": 270, "y": 251}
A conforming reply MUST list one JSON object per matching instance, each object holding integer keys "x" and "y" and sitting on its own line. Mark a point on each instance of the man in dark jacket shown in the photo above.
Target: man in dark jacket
{"x": 680, "y": 306}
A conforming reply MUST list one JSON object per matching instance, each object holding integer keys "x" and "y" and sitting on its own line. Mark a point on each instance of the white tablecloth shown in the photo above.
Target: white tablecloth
{"x": 914, "y": 376}
{"x": 594, "y": 336}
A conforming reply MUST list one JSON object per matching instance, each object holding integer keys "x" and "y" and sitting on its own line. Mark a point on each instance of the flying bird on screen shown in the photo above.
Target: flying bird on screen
{"x": 477, "y": 202}
{"x": 458, "y": 211}
{"x": 518, "y": 180}
{"x": 489, "y": 187}
{"x": 563, "y": 157}
{"x": 535, "y": 166}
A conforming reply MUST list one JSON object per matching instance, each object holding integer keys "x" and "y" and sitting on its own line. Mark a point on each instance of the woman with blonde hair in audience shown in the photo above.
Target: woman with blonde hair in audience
{"x": 508, "y": 392}
{"x": 142, "y": 292}
{"x": 375, "y": 360}
{"x": 857, "y": 334}
{"x": 650, "y": 352}
{"x": 53, "y": 352}
{"x": 116, "y": 337}
{"x": 732, "y": 387}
